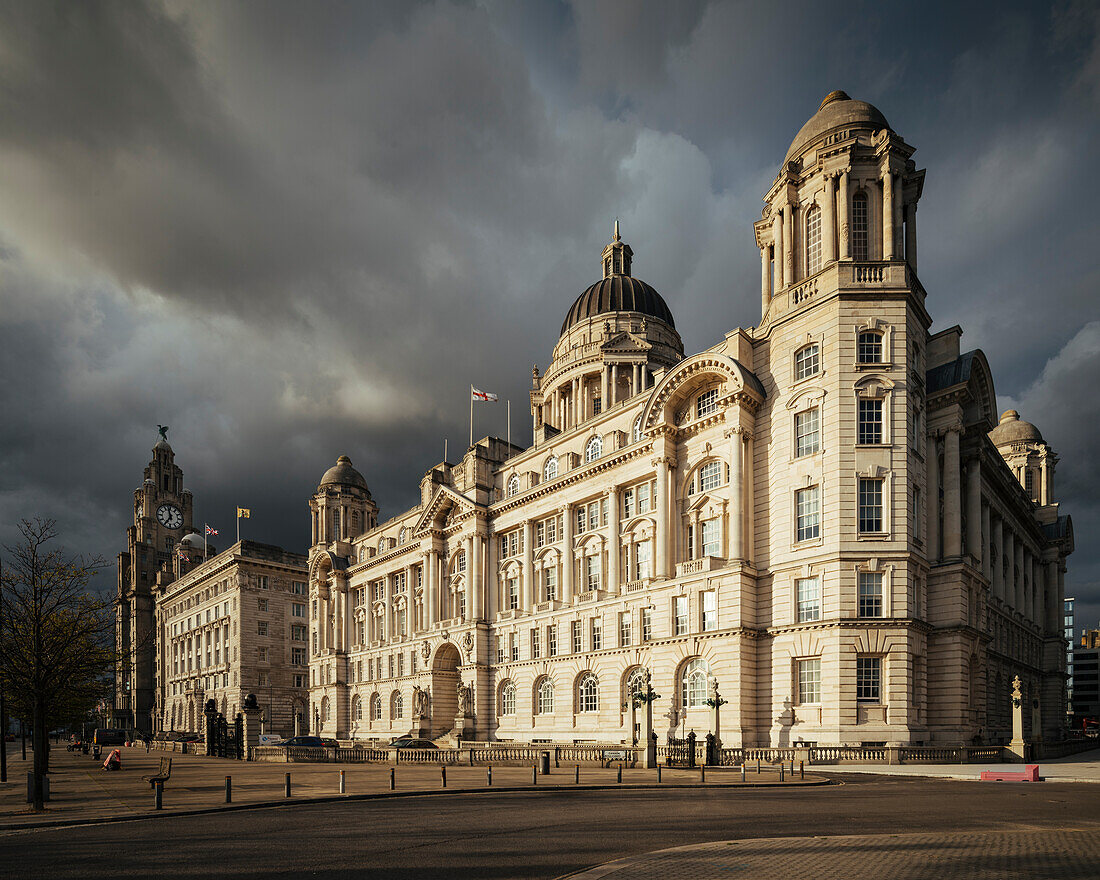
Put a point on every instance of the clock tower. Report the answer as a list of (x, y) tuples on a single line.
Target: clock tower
[(162, 516)]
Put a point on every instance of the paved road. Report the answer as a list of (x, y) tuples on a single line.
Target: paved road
[(527, 835)]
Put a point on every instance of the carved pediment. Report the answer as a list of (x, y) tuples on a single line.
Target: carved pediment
[(624, 342), (446, 505)]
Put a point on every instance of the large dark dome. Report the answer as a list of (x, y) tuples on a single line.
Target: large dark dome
[(618, 293)]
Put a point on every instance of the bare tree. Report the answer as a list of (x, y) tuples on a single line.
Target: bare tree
[(56, 637)]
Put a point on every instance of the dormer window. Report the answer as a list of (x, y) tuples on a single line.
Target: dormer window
[(550, 469), (869, 350), (636, 432), (706, 403), (594, 449), (807, 361), (513, 485)]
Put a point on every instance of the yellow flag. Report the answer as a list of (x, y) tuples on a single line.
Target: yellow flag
[(243, 512)]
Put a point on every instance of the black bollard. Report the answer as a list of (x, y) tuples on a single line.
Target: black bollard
[(577, 775), (288, 785), (229, 789), (393, 779), (781, 768), (742, 772), (443, 775), (620, 776), (757, 765), (702, 774), (535, 775), (801, 770), (158, 795), (489, 775), (658, 772)]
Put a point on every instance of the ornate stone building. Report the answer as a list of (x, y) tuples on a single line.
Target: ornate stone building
[(821, 515)]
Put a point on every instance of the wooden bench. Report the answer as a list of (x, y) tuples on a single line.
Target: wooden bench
[(162, 776), (1030, 774)]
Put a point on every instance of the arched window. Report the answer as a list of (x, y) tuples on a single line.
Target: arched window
[(508, 698), (588, 694), (324, 710), (807, 361), (375, 708), (357, 708), (550, 469), (403, 535), (635, 684), (708, 477), (706, 403), (813, 240), (859, 226), (636, 432), (513, 485), (594, 449), (397, 705), (544, 699), (381, 545), (870, 347), (693, 686), (460, 561)]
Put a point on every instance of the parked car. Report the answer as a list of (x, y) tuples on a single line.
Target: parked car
[(314, 741), (412, 742)]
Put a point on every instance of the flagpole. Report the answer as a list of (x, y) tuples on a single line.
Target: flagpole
[(205, 540), (238, 525), (471, 415), (509, 426)]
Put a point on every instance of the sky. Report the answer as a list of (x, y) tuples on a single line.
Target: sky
[(291, 231)]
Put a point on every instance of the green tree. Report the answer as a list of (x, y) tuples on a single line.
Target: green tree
[(56, 637)]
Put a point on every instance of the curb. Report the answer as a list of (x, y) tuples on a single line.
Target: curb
[(382, 795)]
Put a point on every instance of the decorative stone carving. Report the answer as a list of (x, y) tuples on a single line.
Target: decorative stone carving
[(465, 700), (420, 702), (426, 650)]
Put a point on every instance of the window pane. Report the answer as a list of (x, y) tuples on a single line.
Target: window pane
[(870, 594), (710, 535), (869, 679), (870, 505), (710, 476), (807, 431), (807, 361), (808, 513), (706, 403), (870, 421), (809, 680), (870, 347), (809, 599), (680, 611), (813, 240), (859, 227)]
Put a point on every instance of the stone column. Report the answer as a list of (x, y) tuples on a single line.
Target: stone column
[(788, 244), (974, 542), (765, 281), (477, 578), (1054, 602), (828, 231), (529, 595), (661, 539), (251, 733), (567, 554), (1018, 574), (888, 218), (997, 565), (612, 395), (614, 548), (431, 585), (952, 496), (911, 234), (636, 384), (322, 623), (1018, 747), (736, 505), (313, 528), (987, 533), (606, 386), (898, 219), (845, 221), (933, 459), (777, 243), (1037, 594), (578, 406)]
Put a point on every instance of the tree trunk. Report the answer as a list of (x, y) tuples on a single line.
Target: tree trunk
[(39, 746)]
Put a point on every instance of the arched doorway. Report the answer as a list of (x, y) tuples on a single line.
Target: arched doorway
[(445, 679)]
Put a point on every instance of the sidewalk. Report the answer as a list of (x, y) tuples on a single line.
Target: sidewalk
[(80, 791), (1082, 767), (1069, 854)]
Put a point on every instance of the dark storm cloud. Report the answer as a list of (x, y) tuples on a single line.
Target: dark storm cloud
[(296, 230)]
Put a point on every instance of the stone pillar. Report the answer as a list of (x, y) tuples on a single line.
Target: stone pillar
[(828, 231), (529, 595), (613, 396), (987, 536), (431, 585), (1018, 573), (1054, 601), (636, 383), (1018, 747), (952, 496), (933, 459), (477, 578), (998, 564), (297, 723), (911, 234), (605, 392), (974, 543), (567, 554), (777, 244), (736, 505), (326, 632), (614, 547), (845, 221), (765, 281), (788, 244), (898, 219), (661, 541), (251, 711), (313, 528), (888, 217)]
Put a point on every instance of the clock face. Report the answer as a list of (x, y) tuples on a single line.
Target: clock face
[(169, 516)]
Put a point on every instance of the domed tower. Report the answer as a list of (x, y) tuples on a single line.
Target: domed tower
[(847, 192), (1027, 454), (342, 507), (617, 333)]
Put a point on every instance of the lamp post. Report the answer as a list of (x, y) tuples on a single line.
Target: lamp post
[(3, 706)]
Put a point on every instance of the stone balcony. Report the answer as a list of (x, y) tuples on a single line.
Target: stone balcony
[(842, 276), (697, 566)]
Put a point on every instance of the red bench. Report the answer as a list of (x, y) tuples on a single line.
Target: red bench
[(1029, 774)]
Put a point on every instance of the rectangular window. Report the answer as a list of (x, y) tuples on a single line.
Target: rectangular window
[(710, 476), (261, 628), (550, 583), (706, 403), (576, 636), (392, 665), (592, 572), (513, 647), (513, 594), (628, 504), (807, 361), (624, 629), (870, 421), (298, 633), (647, 624), (870, 594), (299, 681), (679, 615), (552, 530), (710, 534), (552, 640), (643, 560), (540, 534), (597, 406), (809, 680), (264, 680), (298, 588), (813, 241), (597, 633), (869, 348), (500, 649), (261, 654), (297, 656), (710, 610), (869, 679), (808, 512), (643, 498), (809, 599), (400, 664), (399, 582), (807, 432), (582, 519), (261, 604), (412, 662), (870, 505), (536, 648), (859, 226), (263, 581)]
